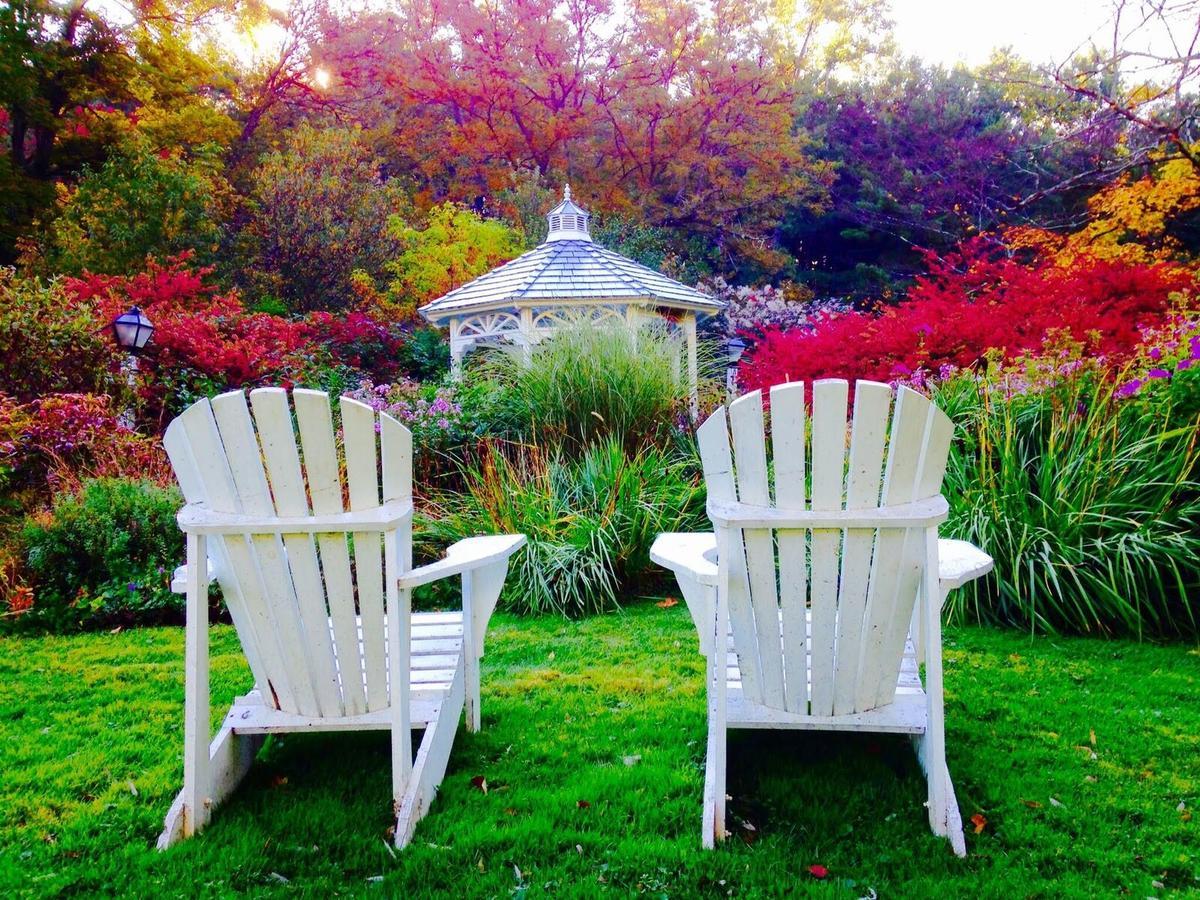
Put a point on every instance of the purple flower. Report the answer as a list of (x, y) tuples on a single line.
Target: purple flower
[(1155, 354), (1158, 373), (1130, 388), (444, 424), (1184, 364)]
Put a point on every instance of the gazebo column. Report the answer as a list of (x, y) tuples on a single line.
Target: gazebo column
[(689, 330), (456, 353), (527, 333)]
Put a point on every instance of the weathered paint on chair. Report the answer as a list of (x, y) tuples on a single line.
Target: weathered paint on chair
[(804, 596), (319, 595)]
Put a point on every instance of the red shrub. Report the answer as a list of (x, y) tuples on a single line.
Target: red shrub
[(972, 301), (60, 438), (205, 341)]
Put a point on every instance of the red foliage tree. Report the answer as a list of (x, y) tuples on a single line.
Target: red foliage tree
[(973, 300)]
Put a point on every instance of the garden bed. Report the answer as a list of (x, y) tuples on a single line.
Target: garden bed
[(1078, 755)]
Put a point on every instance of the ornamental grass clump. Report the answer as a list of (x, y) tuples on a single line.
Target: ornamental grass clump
[(590, 520), (1089, 503), (589, 382)]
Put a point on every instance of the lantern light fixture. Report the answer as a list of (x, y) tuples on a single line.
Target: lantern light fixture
[(132, 329)]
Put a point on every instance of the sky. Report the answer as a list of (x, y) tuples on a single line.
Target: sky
[(938, 31), (1041, 31)]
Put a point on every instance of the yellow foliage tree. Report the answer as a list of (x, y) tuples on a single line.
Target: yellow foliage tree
[(454, 246), (1128, 220)]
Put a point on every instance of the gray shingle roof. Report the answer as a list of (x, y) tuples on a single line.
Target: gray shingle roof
[(568, 270)]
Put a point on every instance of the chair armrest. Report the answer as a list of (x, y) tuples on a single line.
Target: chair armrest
[(691, 555), (960, 562), (179, 578), (464, 556)]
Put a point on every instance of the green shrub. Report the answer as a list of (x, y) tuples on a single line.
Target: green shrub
[(1090, 504), (590, 521), (425, 354), (589, 382), (104, 556)]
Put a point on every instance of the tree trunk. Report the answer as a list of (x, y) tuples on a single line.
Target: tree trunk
[(19, 127)]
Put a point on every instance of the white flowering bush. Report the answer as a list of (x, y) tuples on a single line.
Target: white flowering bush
[(750, 310)]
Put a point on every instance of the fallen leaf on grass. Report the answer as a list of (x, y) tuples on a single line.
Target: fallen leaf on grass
[(278, 781), (133, 788), (667, 604), (1054, 801), (582, 804), (818, 871), (480, 782), (632, 760), (979, 821), (1032, 804)]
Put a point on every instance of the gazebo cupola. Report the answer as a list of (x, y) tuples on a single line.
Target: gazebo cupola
[(566, 278), (567, 221)]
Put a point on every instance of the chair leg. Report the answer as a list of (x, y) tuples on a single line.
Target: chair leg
[(196, 733), (430, 765), (471, 677), (945, 820), (713, 829), (230, 756)]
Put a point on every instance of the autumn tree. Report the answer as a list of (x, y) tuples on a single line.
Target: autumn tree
[(663, 111)]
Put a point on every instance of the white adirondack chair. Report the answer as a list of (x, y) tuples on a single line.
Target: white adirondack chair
[(804, 596), (320, 596)]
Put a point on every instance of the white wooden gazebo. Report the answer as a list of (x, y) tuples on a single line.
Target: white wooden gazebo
[(565, 279)]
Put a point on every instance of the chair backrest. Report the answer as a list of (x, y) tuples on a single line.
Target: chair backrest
[(309, 609), (819, 616)]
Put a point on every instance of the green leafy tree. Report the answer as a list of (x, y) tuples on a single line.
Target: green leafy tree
[(136, 205)]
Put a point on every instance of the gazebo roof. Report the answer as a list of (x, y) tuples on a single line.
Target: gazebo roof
[(569, 267)]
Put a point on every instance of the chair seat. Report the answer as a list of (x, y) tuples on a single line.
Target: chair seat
[(437, 639)]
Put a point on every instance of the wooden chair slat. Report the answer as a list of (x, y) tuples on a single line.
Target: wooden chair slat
[(872, 402), (717, 460), (895, 549), (362, 474), (789, 426), (828, 474), (314, 421), (750, 451)]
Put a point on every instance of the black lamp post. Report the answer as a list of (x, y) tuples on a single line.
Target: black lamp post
[(132, 331)]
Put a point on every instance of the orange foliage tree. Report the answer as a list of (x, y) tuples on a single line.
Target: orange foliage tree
[(678, 113)]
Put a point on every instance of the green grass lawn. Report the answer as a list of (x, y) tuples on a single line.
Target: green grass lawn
[(1082, 755)]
